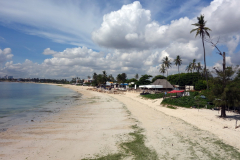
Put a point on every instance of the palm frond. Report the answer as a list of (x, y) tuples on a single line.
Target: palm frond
[(193, 30), (207, 33), (198, 32)]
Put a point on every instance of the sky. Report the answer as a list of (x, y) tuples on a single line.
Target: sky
[(63, 39)]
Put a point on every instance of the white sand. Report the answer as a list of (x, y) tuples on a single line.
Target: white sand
[(204, 119), (169, 131), (98, 124)]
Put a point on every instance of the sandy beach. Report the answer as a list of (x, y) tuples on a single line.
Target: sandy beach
[(101, 123)]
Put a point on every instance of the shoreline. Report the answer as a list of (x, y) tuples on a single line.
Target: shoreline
[(93, 126), (37, 111), (100, 123)]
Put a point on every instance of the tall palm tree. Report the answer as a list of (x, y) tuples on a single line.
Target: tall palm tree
[(178, 62), (198, 68), (162, 69), (202, 31), (136, 76), (189, 68), (167, 63), (193, 65), (104, 77)]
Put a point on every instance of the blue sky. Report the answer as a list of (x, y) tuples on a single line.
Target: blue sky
[(65, 39)]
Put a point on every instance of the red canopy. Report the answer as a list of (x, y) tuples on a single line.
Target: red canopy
[(176, 91)]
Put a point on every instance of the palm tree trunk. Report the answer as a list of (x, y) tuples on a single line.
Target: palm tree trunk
[(178, 75), (205, 70)]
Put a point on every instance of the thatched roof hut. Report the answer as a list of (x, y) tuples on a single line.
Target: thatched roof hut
[(163, 82)]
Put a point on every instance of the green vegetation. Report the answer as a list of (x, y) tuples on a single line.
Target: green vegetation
[(200, 85), (158, 77), (159, 95), (144, 80), (185, 78), (186, 101)]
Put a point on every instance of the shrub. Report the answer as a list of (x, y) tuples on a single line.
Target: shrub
[(200, 85), (185, 101), (159, 95)]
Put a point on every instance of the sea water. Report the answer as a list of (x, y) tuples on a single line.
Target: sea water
[(23, 102)]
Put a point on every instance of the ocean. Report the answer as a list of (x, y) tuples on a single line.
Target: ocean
[(29, 102)]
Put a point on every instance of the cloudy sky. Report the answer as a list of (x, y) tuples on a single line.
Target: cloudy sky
[(70, 38)]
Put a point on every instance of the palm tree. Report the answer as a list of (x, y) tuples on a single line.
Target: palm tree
[(162, 69), (193, 65), (111, 78), (136, 76), (178, 62), (189, 68), (198, 68), (167, 63), (202, 31), (104, 77)]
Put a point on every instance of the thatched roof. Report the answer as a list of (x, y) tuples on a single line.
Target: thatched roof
[(163, 82)]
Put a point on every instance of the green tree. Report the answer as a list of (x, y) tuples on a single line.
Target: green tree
[(167, 63), (193, 65), (158, 77), (144, 80), (199, 67), (111, 78), (178, 62), (202, 31), (162, 69), (136, 76), (94, 77), (189, 68), (186, 79), (224, 87), (104, 76), (100, 79), (121, 78)]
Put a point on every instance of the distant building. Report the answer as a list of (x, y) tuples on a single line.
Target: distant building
[(164, 83), (9, 77), (88, 81)]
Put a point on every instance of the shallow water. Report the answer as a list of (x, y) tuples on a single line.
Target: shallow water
[(23, 102)]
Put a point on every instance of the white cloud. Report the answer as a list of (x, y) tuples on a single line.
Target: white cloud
[(132, 27), (223, 17), (48, 51), (132, 41), (233, 43), (81, 61), (5, 55), (122, 28)]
